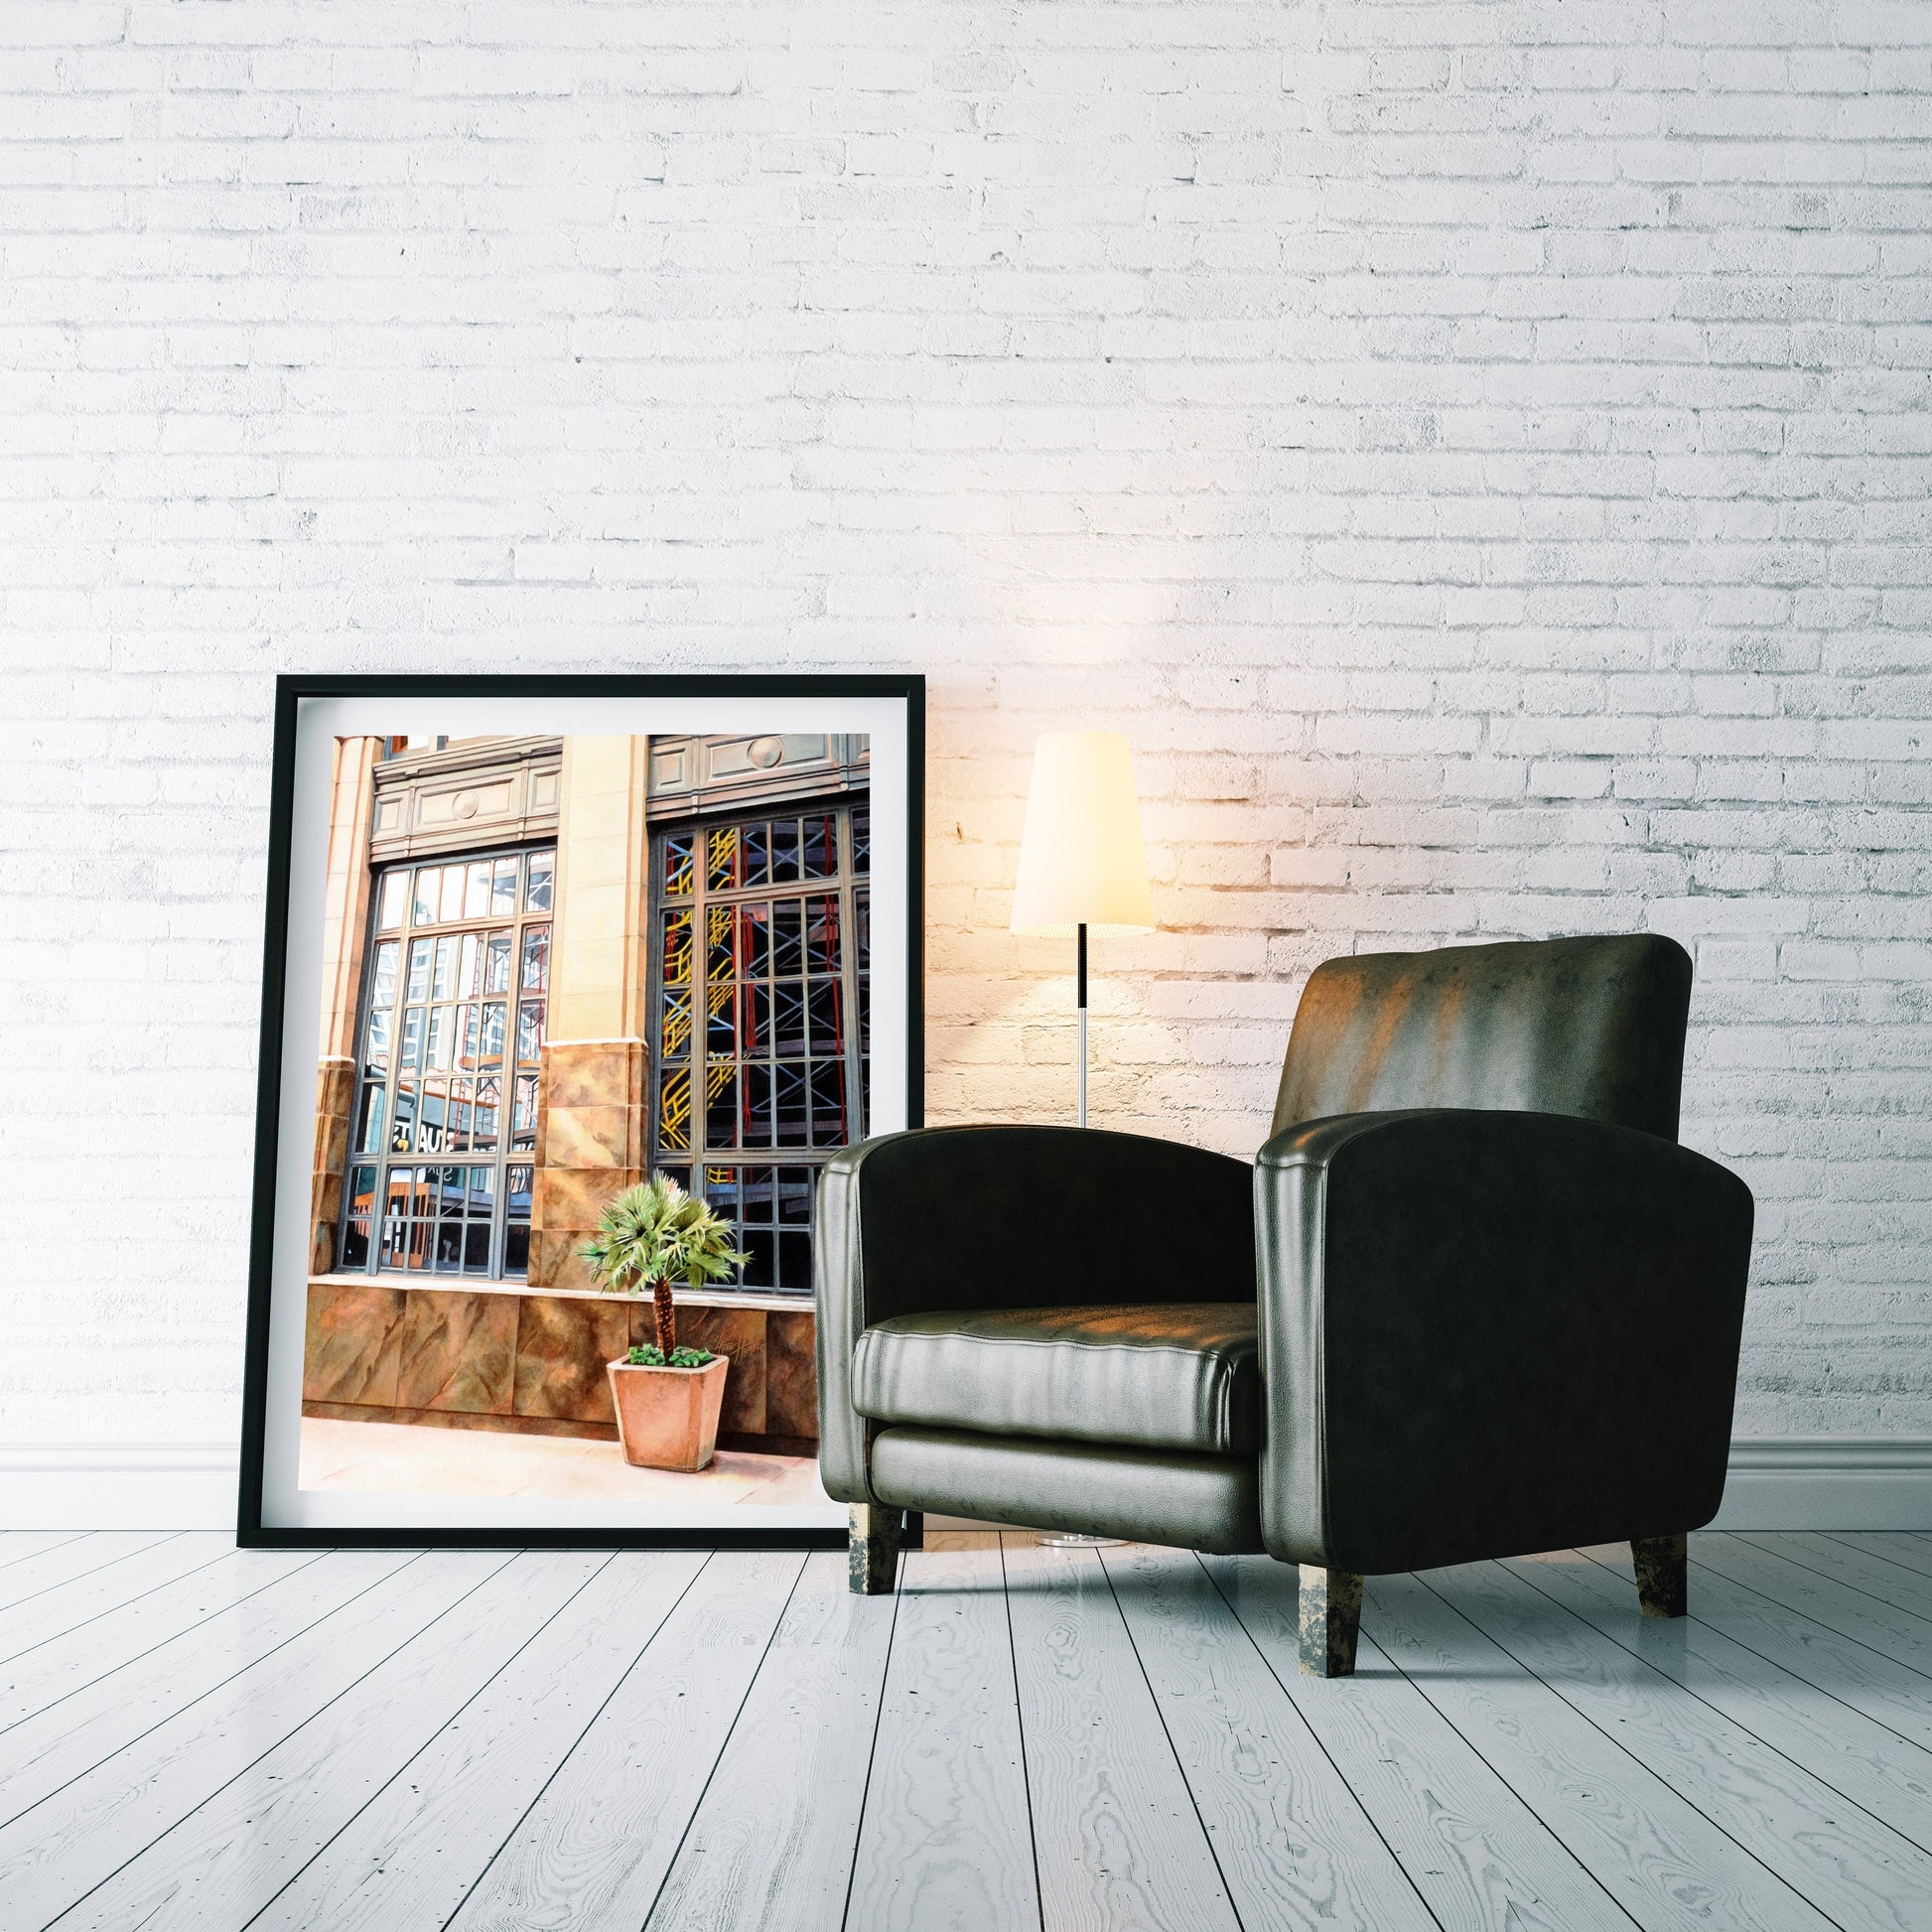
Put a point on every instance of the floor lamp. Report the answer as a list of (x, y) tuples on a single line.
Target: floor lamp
[(1082, 865), (1083, 869)]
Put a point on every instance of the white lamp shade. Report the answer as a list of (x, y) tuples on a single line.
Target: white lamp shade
[(1081, 860)]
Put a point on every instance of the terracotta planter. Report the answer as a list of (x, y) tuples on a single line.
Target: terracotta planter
[(667, 1418)]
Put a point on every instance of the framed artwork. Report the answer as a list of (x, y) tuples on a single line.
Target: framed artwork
[(533, 943)]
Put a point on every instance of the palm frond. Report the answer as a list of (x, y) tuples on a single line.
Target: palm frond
[(654, 1231)]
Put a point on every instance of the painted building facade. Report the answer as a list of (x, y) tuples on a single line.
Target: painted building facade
[(553, 966)]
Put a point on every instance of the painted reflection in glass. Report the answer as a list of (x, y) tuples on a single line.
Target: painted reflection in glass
[(458, 978), (775, 906)]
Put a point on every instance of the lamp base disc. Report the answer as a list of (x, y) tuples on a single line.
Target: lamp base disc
[(1074, 1540)]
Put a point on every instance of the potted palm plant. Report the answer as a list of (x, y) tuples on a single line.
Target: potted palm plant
[(668, 1398)]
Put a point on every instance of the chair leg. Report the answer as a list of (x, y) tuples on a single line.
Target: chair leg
[(872, 1549), (1663, 1573), (1330, 1618), (912, 1537)]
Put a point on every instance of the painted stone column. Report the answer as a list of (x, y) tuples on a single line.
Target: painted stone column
[(345, 925), (593, 1136)]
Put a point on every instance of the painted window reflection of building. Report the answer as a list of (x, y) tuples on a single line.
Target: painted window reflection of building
[(444, 1130), (762, 1023)]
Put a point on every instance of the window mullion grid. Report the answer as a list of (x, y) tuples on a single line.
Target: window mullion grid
[(358, 1102), (759, 1057), (657, 1006), (700, 1134), (423, 1197), (847, 983)]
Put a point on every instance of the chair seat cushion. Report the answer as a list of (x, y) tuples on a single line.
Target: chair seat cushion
[(1181, 1375)]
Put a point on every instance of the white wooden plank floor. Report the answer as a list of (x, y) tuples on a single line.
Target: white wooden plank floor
[(194, 1736)]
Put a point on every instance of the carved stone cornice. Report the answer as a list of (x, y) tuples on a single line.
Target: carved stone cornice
[(495, 791)]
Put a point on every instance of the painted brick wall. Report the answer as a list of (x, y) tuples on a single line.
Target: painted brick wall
[(1479, 452)]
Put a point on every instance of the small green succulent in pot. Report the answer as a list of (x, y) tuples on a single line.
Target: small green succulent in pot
[(649, 1235), (652, 1356)]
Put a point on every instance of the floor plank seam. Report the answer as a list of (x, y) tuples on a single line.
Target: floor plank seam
[(1538, 1676), (1019, 1721), (1841, 1582), (402, 1769), (213, 1690), (1731, 1637), (1502, 1778), (210, 1797), (45, 1549), (1766, 1762), (1186, 1784), (724, 1742), (1574, 1864), (1906, 1568), (1314, 1739), (1724, 1716), (161, 1643), (1521, 1797), (82, 1575), (515, 1823), (1810, 1616), (113, 1609), (871, 1749)]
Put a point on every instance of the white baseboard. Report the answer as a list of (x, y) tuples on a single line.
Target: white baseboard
[(1828, 1482), (1777, 1483), (118, 1485)]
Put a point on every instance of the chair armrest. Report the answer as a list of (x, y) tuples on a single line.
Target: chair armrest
[(1010, 1217), (1484, 1334)]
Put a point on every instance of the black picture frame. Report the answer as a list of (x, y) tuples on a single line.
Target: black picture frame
[(290, 691)]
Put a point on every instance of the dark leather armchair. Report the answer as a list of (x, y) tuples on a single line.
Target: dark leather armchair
[(1471, 1301)]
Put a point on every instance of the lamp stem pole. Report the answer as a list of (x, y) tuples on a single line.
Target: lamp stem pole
[(1083, 1021), (1072, 1539)]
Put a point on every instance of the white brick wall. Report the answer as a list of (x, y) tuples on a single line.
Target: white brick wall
[(1479, 452)]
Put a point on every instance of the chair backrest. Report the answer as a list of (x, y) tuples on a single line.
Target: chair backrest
[(1589, 1026)]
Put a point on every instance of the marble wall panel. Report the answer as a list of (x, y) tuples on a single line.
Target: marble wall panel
[(496, 1360), (592, 1130), (738, 1333), (334, 1090), (590, 1137), (334, 1097), (570, 1199), (353, 1350), (562, 1426), (326, 1202), (595, 1073), (555, 1260), (562, 1348), (459, 1351), (790, 1374)]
